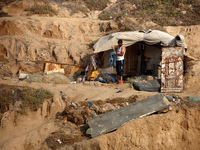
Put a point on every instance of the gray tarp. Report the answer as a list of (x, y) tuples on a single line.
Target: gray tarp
[(150, 37)]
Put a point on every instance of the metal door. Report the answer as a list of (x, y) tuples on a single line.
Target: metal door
[(172, 69)]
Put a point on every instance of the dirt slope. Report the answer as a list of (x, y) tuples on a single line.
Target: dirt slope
[(175, 129), (191, 34), (164, 131), (17, 131), (27, 41)]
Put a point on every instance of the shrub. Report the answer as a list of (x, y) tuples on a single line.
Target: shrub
[(106, 16), (42, 9), (3, 14), (96, 4), (77, 7), (6, 99), (167, 12), (29, 98), (126, 29), (34, 99)]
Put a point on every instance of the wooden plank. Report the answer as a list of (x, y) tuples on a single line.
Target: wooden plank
[(110, 121)]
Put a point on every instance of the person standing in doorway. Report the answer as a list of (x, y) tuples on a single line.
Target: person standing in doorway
[(120, 52)]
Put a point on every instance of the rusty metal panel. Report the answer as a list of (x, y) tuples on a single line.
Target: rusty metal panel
[(73, 69), (49, 66), (69, 69), (172, 69)]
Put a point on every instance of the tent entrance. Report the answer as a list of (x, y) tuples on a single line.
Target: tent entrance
[(140, 59), (143, 60)]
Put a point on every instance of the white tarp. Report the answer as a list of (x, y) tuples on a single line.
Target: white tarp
[(150, 37)]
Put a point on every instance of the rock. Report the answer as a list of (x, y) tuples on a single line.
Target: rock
[(17, 105), (34, 78), (45, 109), (22, 76), (57, 106), (79, 79), (108, 26)]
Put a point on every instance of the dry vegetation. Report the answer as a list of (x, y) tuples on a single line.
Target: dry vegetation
[(42, 9), (165, 12), (7, 1), (91, 4), (96, 4), (162, 12), (3, 14), (26, 97), (76, 7), (34, 99)]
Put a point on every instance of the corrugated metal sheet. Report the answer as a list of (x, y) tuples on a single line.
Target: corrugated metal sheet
[(69, 68), (172, 69)]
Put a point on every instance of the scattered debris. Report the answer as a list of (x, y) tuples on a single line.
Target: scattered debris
[(183, 12), (80, 113), (59, 141), (59, 138)]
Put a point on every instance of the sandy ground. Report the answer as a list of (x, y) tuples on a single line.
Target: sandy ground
[(25, 41), (28, 128), (87, 91)]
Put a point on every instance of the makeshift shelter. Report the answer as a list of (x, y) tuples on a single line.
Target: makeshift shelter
[(149, 52)]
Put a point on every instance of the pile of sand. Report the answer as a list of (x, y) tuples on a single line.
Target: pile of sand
[(8, 27)]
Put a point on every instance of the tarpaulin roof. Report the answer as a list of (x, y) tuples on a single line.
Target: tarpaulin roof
[(150, 37)]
